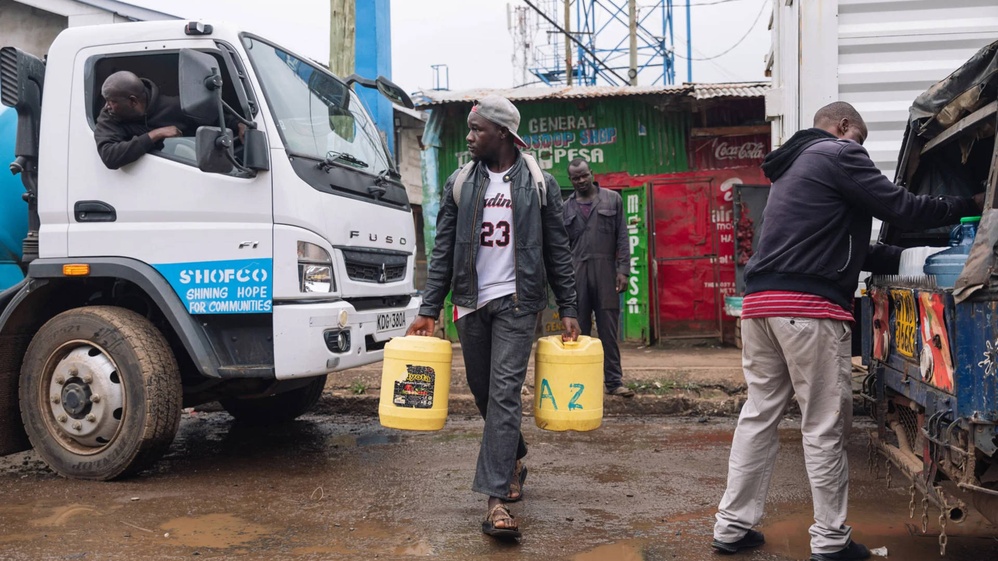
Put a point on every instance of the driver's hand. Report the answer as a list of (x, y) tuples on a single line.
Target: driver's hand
[(241, 131), (165, 132)]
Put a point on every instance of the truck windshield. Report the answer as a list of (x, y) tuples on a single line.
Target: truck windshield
[(318, 115)]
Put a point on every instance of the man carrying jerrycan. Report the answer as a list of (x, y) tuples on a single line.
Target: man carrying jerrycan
[(500, 226)]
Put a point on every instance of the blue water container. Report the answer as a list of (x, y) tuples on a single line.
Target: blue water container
[(947, 265)]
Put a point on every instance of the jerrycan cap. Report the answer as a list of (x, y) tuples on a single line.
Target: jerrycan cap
[(969, 219)]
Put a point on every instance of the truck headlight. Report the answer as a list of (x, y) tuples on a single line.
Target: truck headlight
[(315, 269)]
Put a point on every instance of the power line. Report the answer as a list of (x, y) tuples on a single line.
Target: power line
[(739, 42), (714, 3)]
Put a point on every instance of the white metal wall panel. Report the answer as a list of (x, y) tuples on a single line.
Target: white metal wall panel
[(889, 51)]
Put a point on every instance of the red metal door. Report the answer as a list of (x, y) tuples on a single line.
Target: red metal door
[(686, 253)]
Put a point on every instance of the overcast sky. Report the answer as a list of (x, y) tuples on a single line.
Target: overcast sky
[(472, 39)]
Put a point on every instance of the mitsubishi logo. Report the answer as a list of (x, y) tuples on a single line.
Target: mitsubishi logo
[(383, 276)]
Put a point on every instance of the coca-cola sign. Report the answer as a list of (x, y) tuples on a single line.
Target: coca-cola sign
[(722, 152), (748, 150)]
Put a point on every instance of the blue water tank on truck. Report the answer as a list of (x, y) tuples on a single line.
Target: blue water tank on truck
[(13, 210), (241, 269), (932, 347)]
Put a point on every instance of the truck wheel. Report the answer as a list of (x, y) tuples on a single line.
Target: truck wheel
[(278, 408), (100, 393)]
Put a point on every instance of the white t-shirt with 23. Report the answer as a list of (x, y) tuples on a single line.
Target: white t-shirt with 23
[(495, 263)]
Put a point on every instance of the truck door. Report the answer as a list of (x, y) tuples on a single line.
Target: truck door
[(210, 235)]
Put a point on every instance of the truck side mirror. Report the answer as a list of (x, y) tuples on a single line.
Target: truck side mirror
[(212, 146), (255, 150), (385, 87), (394, 93), (200, 86)]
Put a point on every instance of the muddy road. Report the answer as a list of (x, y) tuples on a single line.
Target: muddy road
[(338, 487)]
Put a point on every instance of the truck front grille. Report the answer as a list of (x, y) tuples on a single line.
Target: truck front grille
[(377, 266)]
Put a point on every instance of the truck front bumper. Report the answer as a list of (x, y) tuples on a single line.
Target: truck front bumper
[(313, 339)]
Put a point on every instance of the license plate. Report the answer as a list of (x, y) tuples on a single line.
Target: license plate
[(904, 321), (391, 321)]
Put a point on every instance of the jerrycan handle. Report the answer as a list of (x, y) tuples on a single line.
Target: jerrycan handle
[(570, 344)]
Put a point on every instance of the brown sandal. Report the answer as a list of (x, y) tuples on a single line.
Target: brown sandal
[(500, 513), (516, 487)]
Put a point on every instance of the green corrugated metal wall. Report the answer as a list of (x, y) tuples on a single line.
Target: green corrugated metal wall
[(615, 135)]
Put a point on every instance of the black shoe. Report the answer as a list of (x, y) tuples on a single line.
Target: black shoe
[(851, 552), (752, 539)]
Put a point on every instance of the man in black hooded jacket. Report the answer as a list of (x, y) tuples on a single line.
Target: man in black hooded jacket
[(796, 319), (135, 119)]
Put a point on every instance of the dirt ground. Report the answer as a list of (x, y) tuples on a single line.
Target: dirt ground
[(337, 487)]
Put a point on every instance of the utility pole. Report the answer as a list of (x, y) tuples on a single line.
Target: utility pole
[(689, 45), (568, 42), (632, 25), (342, 36)]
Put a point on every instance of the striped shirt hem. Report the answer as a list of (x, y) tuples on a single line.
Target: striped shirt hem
[(783, 303)]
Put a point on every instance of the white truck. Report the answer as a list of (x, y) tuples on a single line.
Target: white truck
[(209, 269)]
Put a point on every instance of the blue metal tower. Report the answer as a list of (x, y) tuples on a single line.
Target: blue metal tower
[(601, 42)]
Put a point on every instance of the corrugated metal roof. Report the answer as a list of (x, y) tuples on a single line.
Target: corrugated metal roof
[(699, 91), (735, 89)]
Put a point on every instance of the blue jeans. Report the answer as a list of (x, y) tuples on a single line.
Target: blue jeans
[(496, 341)]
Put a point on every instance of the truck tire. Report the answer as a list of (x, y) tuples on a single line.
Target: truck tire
[(100, 393), (275, 409)]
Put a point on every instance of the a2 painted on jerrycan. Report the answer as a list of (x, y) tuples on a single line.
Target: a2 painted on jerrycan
[(415, 383), (947, 265), (568, 384)]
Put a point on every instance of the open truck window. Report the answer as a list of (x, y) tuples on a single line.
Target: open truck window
[(161, 68)]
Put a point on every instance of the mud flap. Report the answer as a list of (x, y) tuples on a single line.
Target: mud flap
[(12, 436)]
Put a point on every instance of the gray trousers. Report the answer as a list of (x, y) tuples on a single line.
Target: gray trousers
[(781, 357), (496, 341), (607, 322)]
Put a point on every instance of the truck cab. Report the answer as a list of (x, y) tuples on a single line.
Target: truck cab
[(212, 268), (931, 344)]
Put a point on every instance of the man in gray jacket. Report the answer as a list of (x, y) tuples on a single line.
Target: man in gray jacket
[(594, 218), (498, 233)]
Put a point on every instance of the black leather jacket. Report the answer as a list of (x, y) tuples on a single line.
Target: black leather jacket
[(541, 245)]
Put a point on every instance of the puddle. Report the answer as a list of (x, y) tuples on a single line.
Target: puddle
[(354, 441), (63, 515), (421, 548), (878, 525), (621, 551), (16, 538), (213, 530)]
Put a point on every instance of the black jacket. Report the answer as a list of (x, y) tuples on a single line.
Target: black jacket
[(818, 220), (541, 250), (122, 142)]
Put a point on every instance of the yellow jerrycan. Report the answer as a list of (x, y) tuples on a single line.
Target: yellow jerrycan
[(568, 384), (415, 383)]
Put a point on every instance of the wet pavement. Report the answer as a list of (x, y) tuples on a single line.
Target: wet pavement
[(339, 487)]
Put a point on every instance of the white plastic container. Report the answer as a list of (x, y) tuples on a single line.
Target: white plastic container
[(913, 260)]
